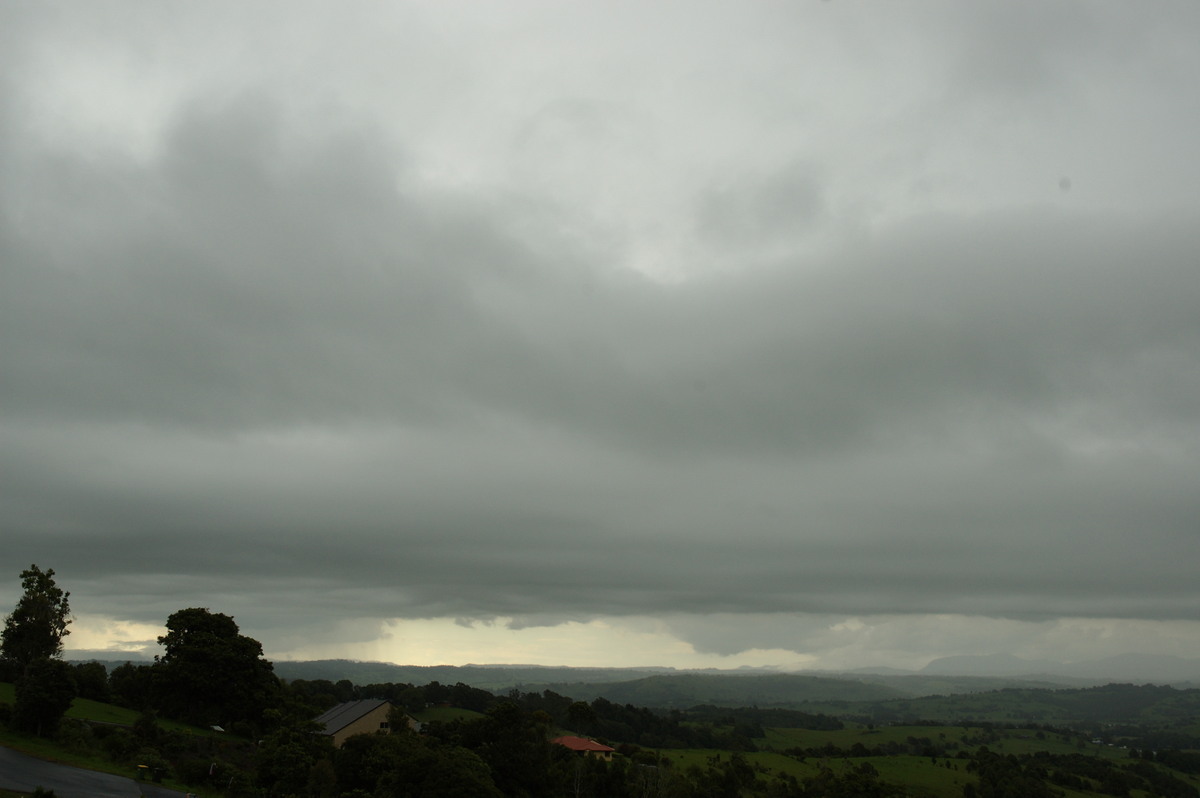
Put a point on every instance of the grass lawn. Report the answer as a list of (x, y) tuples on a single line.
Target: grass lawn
[(921, 773), (86, 709)]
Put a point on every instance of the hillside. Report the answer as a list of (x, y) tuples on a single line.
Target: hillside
[(679, 691), (1149, 705), (675, 688)]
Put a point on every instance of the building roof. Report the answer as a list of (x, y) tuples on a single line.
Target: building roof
[(582, 744), (343, 715)]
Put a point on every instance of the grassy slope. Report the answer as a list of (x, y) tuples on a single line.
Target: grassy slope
[(98, 712), (94, 711)]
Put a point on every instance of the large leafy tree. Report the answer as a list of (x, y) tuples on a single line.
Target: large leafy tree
[(211, 674), (35, 628)]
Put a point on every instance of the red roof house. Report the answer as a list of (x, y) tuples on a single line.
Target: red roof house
[(584, 746)]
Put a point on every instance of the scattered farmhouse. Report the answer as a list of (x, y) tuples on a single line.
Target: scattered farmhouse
[(369, 716), (585, 747)]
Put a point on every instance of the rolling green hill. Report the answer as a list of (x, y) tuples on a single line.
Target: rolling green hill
[(1153, 705), (501, 678), (680, 691)]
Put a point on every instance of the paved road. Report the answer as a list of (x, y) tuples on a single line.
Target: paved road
[(25, 774)]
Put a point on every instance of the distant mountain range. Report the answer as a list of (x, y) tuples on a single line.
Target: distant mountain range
[(765, 687), (1135, 668)]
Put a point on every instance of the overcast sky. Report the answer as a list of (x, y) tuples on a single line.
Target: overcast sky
[(809, 334)]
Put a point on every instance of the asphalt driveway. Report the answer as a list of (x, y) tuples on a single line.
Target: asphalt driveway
[(25, 774)]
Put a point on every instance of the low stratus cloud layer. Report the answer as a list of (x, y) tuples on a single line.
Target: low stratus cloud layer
[(810, 335)]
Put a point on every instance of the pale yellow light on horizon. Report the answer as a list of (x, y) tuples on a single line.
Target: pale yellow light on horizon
[(101, 633), (642, 641), (609, 643)]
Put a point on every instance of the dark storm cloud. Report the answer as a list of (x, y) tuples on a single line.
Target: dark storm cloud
[(760, 211), (243, 368), (271, 367), (225, 291)]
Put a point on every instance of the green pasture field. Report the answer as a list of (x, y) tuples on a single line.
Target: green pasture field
[(918, 773), (1008, 741), (937, 777)]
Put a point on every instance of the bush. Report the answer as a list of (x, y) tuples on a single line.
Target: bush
[(146, 727), (119, 745), (151, 764), (76, 735), (194, 770)]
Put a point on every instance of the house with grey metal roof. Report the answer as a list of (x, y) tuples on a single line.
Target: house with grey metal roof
[(368, 716)]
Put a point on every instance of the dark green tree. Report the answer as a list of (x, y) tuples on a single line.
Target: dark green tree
[(402, 764), (581, 717), (43, 695), (130, 685), (287, 756), (92, 680), (210, 674), (458, 773), (512, 743), (35, 628), (322, 780)]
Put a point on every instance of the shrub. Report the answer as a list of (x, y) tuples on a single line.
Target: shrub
[(76, 735), (120, 745)]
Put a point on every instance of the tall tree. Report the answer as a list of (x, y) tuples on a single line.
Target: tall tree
[(211, 674), (35, 628)]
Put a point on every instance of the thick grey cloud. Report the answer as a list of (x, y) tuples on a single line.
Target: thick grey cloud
[(276, 350)]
